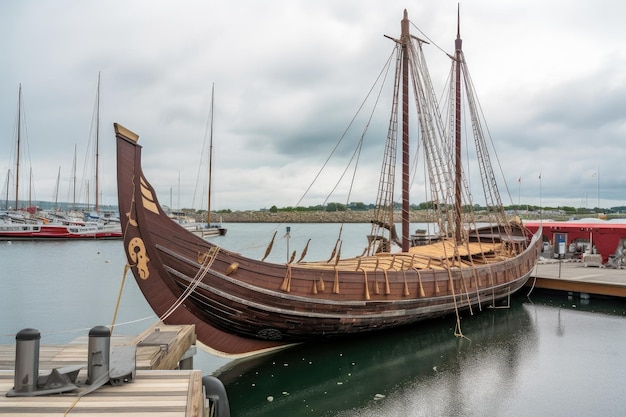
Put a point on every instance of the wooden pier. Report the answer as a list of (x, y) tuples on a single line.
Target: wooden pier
[(160, 387), (579, 277), (152, 393)]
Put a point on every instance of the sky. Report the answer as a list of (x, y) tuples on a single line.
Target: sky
[(289, 76)]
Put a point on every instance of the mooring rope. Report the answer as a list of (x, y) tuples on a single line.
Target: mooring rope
[(71, 406), (119, 296)]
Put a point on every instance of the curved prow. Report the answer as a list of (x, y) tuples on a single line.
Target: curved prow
[(125, 133)]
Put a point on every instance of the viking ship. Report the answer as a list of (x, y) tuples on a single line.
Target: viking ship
[(241, 305)]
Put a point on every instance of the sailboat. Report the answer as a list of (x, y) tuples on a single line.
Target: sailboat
[(241, 305), (93, 215), (55, 225), (18, 149), (209, 229)]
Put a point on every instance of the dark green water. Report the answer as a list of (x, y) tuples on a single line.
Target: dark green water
[(551, 356)]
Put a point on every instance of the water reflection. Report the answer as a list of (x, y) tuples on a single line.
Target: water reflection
[(423, 370), (596, 304)]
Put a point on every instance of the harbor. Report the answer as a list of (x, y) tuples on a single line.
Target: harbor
[(561, 345), (443, 296)]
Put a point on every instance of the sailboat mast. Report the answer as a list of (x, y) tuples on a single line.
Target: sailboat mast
[(97, 140), (457, 128), (208, 214), (6, 200), (74, 181), (56, 191), (405, 38), (30, 188), (19, 134)]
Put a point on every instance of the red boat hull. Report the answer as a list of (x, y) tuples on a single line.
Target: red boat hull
[(16, 231)]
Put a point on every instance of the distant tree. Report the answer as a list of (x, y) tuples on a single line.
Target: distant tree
[(358, 206), (335, 207), (273, 209)]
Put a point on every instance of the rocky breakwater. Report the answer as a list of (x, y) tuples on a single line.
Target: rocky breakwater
[(308, 216)]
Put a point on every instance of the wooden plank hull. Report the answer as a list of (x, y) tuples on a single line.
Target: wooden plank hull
[(240, 305)]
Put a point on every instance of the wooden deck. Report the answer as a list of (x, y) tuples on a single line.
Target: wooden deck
[(159, 347), (152, 393), (579, 277), (158, 389)]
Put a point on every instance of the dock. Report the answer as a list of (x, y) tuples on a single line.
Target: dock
[(152, 393), (162, 384), (160, 347), (578, 276)]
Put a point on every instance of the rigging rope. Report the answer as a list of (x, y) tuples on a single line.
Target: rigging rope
[(208, 260), (343, 136)]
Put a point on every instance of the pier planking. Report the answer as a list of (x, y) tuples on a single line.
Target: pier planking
[(158, 389), (579, 277), (160, 393)]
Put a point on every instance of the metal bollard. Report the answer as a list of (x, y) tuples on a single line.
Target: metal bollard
[(99, 349), (26, 361)]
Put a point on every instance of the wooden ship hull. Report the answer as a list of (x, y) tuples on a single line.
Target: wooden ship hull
[(240, 305)]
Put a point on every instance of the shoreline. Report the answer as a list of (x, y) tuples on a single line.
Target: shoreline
[(365, 216)]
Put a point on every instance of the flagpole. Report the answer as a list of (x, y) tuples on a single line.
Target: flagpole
[(598, 187)]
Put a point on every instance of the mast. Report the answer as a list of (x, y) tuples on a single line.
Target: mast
[(19, 133), (458, 56), (97, 140), (30, 188), (56, 191), (74, 181), (208, 214), (405, 38), (6, 198)]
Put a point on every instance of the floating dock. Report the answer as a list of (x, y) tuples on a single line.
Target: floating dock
[(162, 384), (580, 276)]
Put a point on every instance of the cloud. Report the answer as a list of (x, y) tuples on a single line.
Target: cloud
[(289, 77)]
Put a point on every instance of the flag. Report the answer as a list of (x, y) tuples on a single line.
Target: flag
[(519, 179), (540, 175)]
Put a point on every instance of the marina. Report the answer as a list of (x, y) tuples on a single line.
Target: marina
[(153, 309)]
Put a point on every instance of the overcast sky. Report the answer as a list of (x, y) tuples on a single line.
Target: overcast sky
[(289, 76)]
